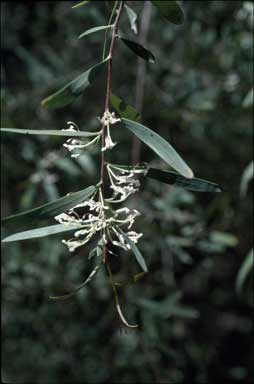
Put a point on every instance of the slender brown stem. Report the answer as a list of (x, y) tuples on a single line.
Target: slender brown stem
[(108, 90)]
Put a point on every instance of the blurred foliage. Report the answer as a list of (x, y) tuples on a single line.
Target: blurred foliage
[(193, 326)]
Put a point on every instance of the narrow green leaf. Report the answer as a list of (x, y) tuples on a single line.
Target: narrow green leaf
[(185, 312), (132, 16), (159, 146), (162, 308), (244, 270), (73, 293), (136, 252), (81, 4), (49, 132), (95, 29), (223, 238), (73, 89), (49, 210), (171, 10), (139, 50), (248, 100), (248, 174), (124, 109), (41, 232), (174, 178)]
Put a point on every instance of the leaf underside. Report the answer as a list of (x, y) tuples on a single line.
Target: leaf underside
[(41, 232), (48, 132), (95, 29), (160, 146)]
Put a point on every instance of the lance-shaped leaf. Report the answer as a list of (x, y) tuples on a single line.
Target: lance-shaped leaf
[(136, 251), (171, 10), (159, 146), (138, 49), (74, 89), (95, 29), (41, 232), (49, 210), (132, 16), (248, 100), (124, 109), (174, 178), (245, 269), (73, 293), (81, 4), (49, 132)]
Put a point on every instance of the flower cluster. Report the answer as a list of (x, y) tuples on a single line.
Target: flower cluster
[(101, 218), (114, 226)]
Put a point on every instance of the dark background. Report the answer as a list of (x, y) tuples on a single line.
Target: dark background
[(193, 326)]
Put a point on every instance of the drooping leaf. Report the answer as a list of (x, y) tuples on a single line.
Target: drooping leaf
[(171, 10), (159, 146), (81, 4), (41, 232), (123, 109), (49, 132), (132, 16), (74, 89), (49, 210), (174, 178), (73, 293), (95, 29), (136, 252), (138, 49), (244, 270)]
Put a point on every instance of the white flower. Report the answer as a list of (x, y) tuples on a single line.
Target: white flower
[(123, 182), (73, 143), (108, 119)]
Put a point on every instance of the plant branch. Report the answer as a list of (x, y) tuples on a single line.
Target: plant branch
[(141, 75), (108, 90)]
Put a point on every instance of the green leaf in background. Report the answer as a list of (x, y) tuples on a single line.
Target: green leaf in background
[(132, 18), (49, 132), (136, 252), (248, 100), (168, 307), (95, 29), (171, 10), (223, 238), (159, 146), (41, 232), (49, 210), (174, 178), (244, 270), (123, 109), (73, 293), (248, 174), (81, 4), (74, 89), (139, 50)]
